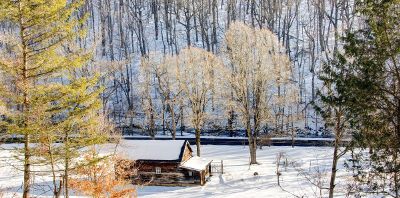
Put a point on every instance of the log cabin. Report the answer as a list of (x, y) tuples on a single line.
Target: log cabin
[(164, 163)]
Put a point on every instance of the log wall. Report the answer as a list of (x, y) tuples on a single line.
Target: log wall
[(171, 175)]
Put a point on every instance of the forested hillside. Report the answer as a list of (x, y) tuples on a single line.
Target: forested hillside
[(123, 32)]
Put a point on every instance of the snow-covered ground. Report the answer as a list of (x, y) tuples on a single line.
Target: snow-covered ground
[(306, 165), (238, 179)]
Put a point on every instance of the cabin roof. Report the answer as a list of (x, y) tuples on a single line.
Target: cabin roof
[(196, 163), (153, 150)]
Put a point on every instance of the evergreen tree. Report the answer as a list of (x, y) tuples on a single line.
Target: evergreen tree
[(367, 79), (332, 106), (73, 119), (43, 84)]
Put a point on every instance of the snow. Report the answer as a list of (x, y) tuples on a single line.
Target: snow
[(196, 163), (150, 149), (238, 179)]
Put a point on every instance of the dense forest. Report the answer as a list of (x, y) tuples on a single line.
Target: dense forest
[(123, 32)]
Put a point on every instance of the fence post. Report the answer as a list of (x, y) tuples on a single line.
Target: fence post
[(222, 167)]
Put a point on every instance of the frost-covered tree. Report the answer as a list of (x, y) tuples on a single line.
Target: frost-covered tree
[(160, 72), (285, 111), (257, 67), (170, 89), (146, 91), (197, 72)]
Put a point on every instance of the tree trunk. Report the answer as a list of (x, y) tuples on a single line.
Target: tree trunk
[(27, 168), (152, 126), (57, 192), (334, 169), (230, 122), (66, 173), (182, 127), (214, 26), (292, 137), (198, 141), (253, 150), (66, 164), (155, 15), (163, 116), (152, 129), (252, 145), (395, 177), (335, 156), (24, 109), (57, 188), (173, 121)]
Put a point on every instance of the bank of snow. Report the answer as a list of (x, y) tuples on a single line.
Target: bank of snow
[(305, 165)]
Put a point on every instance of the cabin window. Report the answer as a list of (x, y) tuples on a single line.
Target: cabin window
[(158, 170), (190, 173)]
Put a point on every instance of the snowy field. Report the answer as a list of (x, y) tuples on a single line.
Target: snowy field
[(305, 165)]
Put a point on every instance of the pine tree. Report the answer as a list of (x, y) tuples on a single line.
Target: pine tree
[(77, 124), (50, 97), (366, 79), (331, 104)]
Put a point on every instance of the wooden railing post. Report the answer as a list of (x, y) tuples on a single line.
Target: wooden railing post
[(222, 167)]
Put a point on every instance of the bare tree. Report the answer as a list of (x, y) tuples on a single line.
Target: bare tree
[(258, 65), (147, 85), (169, 88), (196, 70)]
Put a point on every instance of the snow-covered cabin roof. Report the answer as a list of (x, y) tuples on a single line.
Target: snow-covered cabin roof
[(153, 150), (196, 163)]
